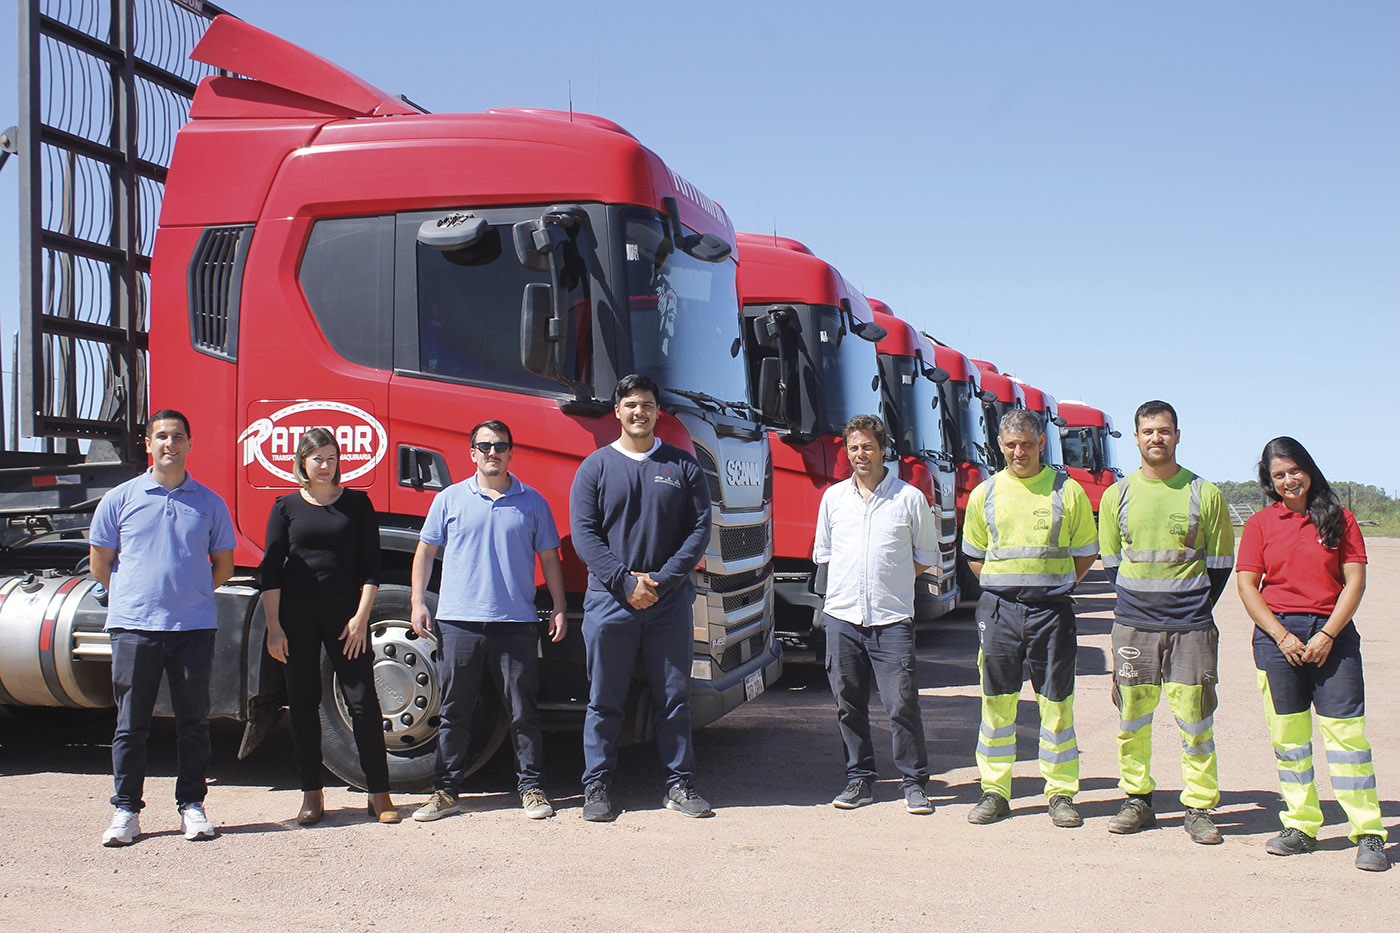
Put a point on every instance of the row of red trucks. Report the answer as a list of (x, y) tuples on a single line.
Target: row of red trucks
[(328, 254)]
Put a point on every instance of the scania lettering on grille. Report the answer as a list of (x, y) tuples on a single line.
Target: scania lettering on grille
[(271, 439), (744, 472)]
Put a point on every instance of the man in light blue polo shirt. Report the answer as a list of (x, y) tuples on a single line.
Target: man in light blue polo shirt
[(153, 541), (491, 527)]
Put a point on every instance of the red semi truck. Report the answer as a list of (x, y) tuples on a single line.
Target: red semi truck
[(1045, 405), (331, 255), (1088, 448), (808, 342), (1006, 394)]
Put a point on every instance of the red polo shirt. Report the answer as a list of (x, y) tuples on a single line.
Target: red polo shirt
[(1300, 575)]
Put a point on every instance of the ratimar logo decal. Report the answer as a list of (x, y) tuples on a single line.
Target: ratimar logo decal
[(272, 440)]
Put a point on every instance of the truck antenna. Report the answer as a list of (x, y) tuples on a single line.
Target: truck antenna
[(571, 100)]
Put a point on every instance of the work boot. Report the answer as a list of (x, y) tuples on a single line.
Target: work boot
[(1062, 812), (1134, 816), (989, 809), (856, 794), (1291, 842), (1370, 854), (1201, 828)]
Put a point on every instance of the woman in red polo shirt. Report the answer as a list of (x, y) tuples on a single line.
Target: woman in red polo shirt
[(1301, 571)]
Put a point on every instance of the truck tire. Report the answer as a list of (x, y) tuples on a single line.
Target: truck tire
[(406, 679)]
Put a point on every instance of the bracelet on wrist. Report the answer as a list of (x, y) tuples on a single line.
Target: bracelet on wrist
[(1328, 634)]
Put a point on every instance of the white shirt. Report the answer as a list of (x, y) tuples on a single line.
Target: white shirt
[(871, 547)]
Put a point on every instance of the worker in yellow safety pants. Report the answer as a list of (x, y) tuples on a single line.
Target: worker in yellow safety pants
[(1029, 536), (1301, 574), (1168, 546)]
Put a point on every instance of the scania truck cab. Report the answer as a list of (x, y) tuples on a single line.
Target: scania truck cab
[(911, 381), (808, 343), (1087, 436), (330, 255)]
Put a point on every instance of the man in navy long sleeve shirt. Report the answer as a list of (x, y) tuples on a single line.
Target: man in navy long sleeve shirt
[(639, 512)]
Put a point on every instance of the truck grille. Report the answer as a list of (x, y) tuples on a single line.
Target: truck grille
[(711, 469), (740, 600), (742, 541), (728, 583), (737, 654)]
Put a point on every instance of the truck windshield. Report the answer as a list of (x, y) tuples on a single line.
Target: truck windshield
[(846, 369), (919, 417), (1104, 442), (972, 423), (1054, 454), (683, 313), (1077, 448)]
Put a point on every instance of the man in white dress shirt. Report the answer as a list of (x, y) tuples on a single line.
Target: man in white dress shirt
[(876, 534)]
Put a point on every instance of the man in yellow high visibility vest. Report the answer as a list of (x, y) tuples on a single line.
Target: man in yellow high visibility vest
[(1168, 547), (1029, 536)]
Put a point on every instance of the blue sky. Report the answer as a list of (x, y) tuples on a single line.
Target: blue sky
[(1198, 201)]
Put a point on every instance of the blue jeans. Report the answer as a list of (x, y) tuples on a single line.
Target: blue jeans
[(138, 661), (857, 654), (510, 651), (615, 635)]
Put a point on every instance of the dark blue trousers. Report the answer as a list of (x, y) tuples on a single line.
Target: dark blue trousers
[(139, 660), (615, 636), (1337, 689), (510, 651), (856, 655)]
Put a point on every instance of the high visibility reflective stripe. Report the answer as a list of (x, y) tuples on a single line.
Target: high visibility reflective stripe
[(1056, 738), (1199, 751), (1367, 782), (1000, 732), (1053, 551), (998, 751), (1133, 725), (1196, 728), (1164, 557), (1167, 585), (1059, 758), (1111, 560), (1224, 562), (1341, 757), (1295, 777), (1193, 527), (1301, 753), (1086, 550), (1024, 579)]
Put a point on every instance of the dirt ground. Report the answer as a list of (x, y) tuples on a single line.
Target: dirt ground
[(777, 856)]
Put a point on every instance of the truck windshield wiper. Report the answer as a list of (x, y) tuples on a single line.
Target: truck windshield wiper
[(703, 398)]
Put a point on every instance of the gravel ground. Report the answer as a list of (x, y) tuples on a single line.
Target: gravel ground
[(776, 856)]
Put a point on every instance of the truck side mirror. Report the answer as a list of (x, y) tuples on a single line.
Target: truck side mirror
[(541, 334), (937, 374), (869, 330), (452, 232), (706, 247), (771, 390)]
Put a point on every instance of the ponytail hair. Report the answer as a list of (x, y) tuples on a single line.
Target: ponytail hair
[(1323, 507)]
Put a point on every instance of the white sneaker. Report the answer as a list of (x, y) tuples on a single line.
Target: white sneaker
[(126, 826), (196, 824)]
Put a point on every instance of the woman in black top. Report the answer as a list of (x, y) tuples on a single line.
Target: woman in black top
[(320, 569)]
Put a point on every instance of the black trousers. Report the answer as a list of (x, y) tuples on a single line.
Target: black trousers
[(310, 629)]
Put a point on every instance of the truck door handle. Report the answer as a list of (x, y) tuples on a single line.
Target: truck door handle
[(423, 469)]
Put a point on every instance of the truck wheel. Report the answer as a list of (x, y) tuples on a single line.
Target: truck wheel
[(406, 679)]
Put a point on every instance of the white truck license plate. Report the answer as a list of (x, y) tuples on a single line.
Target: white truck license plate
[(753, 685)]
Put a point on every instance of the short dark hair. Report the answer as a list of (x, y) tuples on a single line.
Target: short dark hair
[(868, 423), (493, 425), (167, 414), (1154, 407), (635, 382), (312, 440)]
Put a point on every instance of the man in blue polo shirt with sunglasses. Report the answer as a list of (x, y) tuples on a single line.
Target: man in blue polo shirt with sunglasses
[(491, 527)]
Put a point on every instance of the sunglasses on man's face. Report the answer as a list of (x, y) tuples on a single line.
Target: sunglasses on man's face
[(486, 447)]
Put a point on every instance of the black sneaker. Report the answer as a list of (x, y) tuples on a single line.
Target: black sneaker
[(1290, 842), (1062, 812), (916, 801), (1201, 828), (856, 794), (1134, 816), (1370, 854), (597, 808), (989, 809), (683, 798)]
